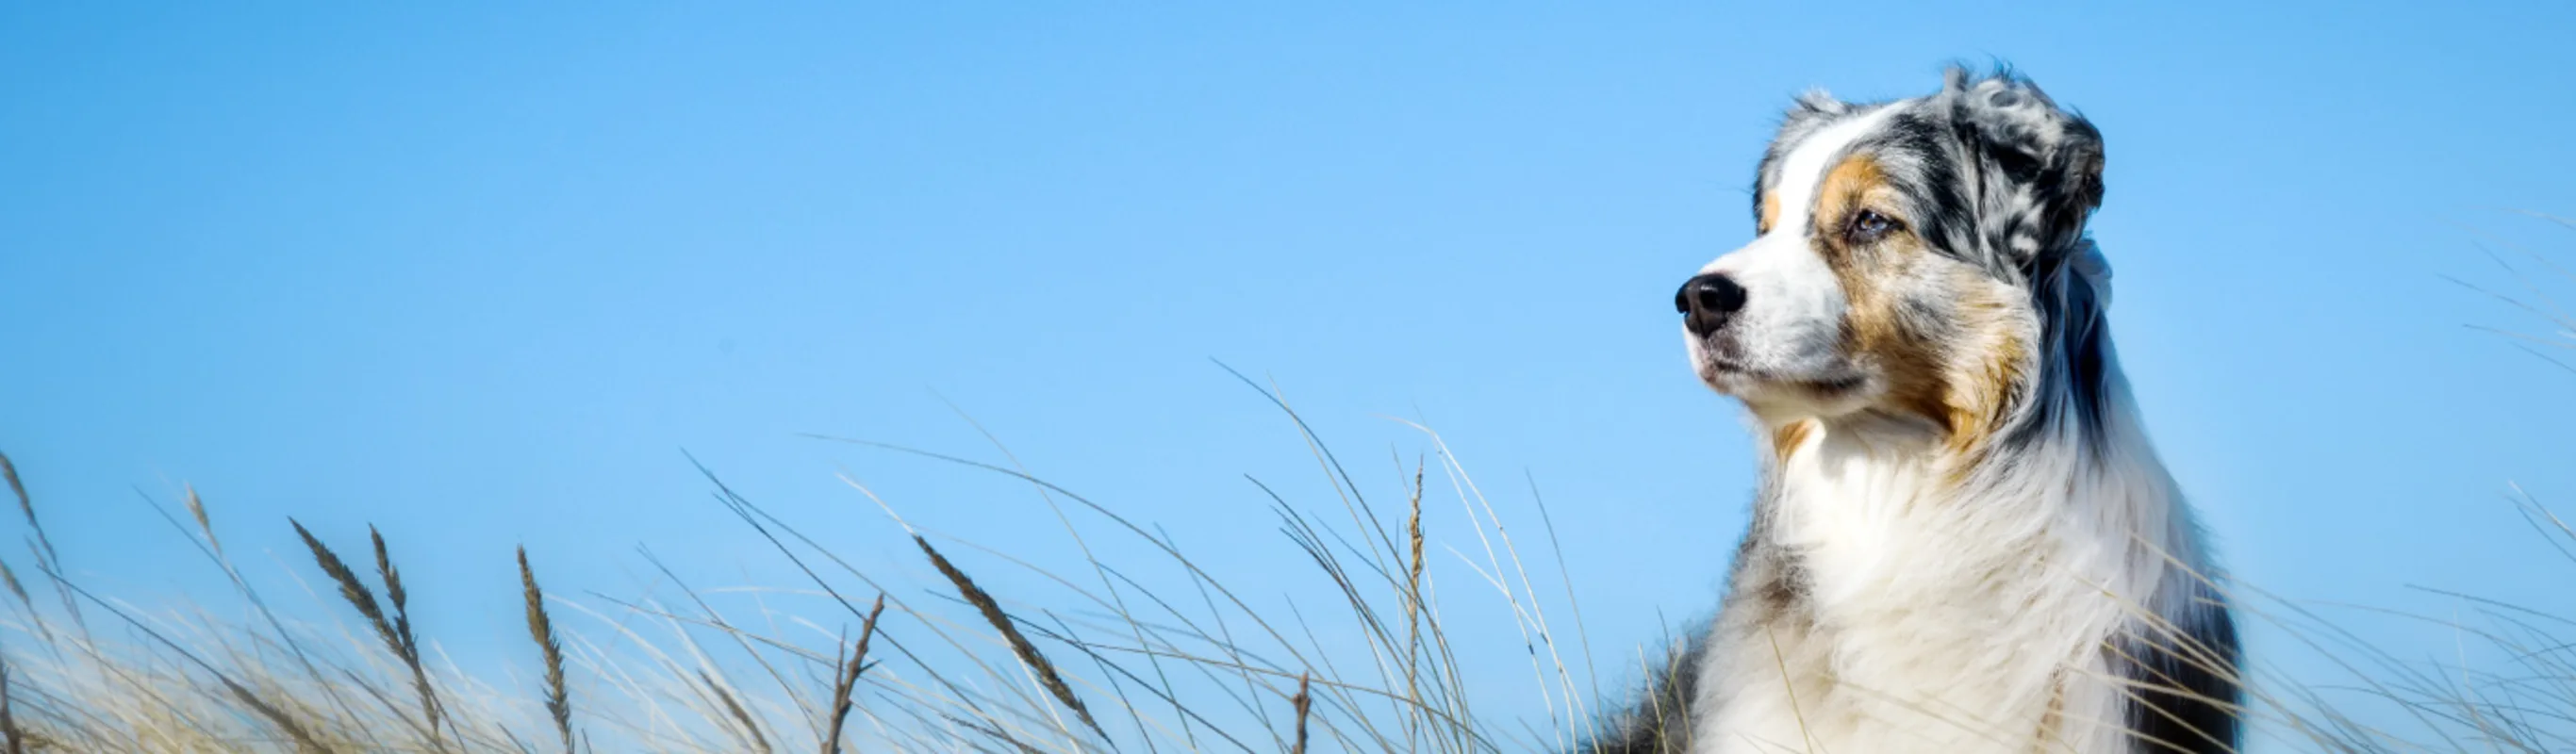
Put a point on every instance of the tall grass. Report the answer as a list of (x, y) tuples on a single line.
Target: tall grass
[(944, 666), (1157, 653)]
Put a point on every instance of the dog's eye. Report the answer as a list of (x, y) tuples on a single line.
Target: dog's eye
[(1867, 225)]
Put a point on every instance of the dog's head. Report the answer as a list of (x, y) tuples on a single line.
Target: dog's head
[(1907, 257)]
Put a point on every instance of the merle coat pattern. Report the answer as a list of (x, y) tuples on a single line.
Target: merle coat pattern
[(1963, 541)]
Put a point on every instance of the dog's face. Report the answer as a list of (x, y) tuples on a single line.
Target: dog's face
[(1901, 255)]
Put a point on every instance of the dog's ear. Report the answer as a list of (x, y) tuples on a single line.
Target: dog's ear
[(1815, 103), (1812, 110), (2037, 167)]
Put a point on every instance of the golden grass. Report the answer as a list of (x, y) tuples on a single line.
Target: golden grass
[(1197, 668)]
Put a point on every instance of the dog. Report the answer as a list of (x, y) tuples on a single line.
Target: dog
[(1963, 540)]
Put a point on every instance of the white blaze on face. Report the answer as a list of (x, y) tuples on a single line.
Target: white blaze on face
[(1793, 304)]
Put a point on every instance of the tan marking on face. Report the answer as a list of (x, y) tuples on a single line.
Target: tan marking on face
[(1989, 358), (1959, 373), (1849, 186), (1770, 213), (1873, 330)]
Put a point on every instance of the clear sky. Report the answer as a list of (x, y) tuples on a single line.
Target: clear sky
[(480, 275)]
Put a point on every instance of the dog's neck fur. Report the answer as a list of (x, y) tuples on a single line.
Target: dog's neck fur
[(2097, 482)]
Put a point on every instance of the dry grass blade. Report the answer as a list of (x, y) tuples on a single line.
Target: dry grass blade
[(734, 707), (403, 643), (542, 629), (352, 590), (1413, 531), (1413, 573), (206, 526), (397, 637), (1304, 703), (9, 577), (9, 733), (1020, 645), (1413, 588), (304, 740), (27, 506), (10, 471), (848, 677)]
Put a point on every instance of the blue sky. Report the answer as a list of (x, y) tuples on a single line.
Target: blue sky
[(480, 274)]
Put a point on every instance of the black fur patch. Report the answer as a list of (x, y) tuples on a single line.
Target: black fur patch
[(2186, 694)]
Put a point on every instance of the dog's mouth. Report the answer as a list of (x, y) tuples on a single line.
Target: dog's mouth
[(1718, 371)]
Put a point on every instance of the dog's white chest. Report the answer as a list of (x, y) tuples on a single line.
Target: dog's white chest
[(1933, 624)]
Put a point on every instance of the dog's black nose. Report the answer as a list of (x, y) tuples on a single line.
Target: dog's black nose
[(1707, 301)]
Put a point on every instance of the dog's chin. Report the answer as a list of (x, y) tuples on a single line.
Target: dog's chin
[(1788, 395)]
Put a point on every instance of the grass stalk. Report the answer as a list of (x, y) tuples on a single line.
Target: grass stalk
[(541, 629), (847, 677), (1028, 653)]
